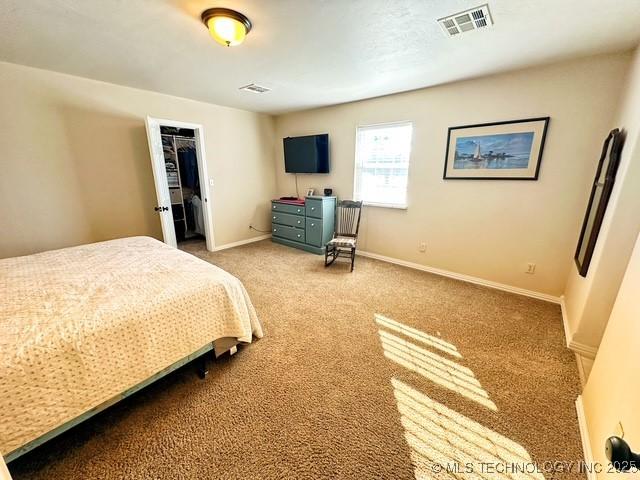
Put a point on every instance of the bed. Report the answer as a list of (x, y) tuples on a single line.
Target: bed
[(83, 327)]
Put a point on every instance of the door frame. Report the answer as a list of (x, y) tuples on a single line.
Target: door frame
[(203, 174)]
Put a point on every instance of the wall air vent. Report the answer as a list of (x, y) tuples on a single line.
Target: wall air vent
[(252, 87), (472, 19)]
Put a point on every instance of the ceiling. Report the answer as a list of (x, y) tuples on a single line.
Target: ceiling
[(309, 52)]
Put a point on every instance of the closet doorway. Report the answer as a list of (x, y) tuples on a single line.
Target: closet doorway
[(181, 179)]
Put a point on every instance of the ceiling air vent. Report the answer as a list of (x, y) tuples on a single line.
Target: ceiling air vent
[(252, 87), (466, 21)]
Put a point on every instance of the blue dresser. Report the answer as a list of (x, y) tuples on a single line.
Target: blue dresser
[(309, 226)]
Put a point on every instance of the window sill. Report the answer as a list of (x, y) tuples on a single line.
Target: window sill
[(385, 205)]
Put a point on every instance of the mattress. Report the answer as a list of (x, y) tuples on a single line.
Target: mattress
[(82, 324)]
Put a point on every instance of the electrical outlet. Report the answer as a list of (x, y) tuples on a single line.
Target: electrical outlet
[(531, 268), (422, 247)]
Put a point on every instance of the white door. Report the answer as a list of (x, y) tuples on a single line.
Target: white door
[(163, 207)]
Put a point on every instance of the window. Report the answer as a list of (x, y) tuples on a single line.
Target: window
[(382, 164)]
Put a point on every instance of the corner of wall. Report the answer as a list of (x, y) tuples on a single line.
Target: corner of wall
[(572, 339), (589, 301)]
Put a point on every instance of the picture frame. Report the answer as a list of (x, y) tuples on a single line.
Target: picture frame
[(599, 198), (310, 192), (508, 150)]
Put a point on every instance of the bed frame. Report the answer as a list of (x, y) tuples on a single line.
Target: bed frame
[(202, 372)]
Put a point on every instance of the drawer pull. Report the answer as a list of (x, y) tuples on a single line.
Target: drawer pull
[(275, 218), (274, 206), (298, 235), (298, 221), (313, 224), (299, 210), (313, 208), (275, 230)]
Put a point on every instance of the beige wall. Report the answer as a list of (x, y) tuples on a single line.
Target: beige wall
[(4, 471), (75, 163), (487, 229), (612, 391), (76, 166), (589, 300)]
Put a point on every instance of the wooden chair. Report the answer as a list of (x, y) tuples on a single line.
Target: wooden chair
[(345, 237)]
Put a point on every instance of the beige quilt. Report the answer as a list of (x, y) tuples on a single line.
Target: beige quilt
[(82, 324)]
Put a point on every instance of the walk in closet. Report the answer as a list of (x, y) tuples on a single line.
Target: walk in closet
[(181, 162)]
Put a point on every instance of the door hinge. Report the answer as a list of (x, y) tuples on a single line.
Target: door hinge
[(161, 209)]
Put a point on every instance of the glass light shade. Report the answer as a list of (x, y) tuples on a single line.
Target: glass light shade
[(227, 31)]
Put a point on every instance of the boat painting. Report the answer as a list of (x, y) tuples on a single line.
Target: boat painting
[(509, 150), (500, 151)]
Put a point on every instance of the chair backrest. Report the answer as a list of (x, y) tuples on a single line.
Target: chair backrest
[(348, 218)]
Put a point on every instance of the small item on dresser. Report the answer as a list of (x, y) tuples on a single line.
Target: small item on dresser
[(310, 192), (292, 200), (328, 192)]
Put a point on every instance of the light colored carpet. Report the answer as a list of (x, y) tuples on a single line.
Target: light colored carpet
[(377, 373)]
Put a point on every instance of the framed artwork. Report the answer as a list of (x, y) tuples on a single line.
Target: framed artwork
[(310, 192), (600, 193), (509, 150)]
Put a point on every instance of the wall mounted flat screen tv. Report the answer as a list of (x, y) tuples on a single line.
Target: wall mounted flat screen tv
[(309, 154)]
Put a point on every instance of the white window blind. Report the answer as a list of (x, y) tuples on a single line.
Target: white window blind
[(382, 164)]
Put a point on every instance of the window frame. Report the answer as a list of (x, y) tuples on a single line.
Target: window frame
[(395, 206)]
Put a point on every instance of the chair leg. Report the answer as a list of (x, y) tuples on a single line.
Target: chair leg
[(329, 252), (353, 257)]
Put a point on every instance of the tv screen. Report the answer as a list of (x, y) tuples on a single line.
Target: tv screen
[(309, 154)]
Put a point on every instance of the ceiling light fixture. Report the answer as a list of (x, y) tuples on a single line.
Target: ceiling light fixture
[(226, 26)]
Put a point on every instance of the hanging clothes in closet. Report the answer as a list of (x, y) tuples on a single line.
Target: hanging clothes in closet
[(188, 162), (198, 214)]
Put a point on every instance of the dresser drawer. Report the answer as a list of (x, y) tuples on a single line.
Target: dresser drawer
[(313, 207), (290, 233), (287, 208), (287, 219), (314, 232)]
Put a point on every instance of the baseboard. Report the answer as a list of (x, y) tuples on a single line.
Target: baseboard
[(578, 347), (465, 278), (565, 321), (582, 349), (581, 373), (241, 242), (584, 436), (584, 371)]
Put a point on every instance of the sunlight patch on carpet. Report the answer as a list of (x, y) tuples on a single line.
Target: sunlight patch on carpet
[(418, 335), (436, 368), (446, 444), (468, 386)]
